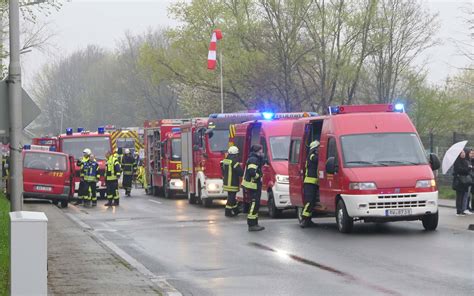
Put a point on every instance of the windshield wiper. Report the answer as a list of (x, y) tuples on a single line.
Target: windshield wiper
[(365, 162), (398, 161), (280, 158)]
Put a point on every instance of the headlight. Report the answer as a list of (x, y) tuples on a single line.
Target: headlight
[(177, 183), (425, 183), (283, 179), (362, 186), (212, 187)]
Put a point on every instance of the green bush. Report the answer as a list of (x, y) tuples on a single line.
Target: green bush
[(4, 245)]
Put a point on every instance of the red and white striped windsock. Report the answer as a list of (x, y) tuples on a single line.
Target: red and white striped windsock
[(211, 57)]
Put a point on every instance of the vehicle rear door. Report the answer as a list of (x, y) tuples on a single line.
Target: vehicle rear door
[(296, 162), (40, 174)]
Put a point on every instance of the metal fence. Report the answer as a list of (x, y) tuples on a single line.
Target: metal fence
[(438, 144)]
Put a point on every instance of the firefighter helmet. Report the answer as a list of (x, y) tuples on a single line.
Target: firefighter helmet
[(87, 151), (314, 144), (233, 150), (127, 151)]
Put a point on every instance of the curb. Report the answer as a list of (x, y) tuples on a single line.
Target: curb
[(446, 206), (160, 282)]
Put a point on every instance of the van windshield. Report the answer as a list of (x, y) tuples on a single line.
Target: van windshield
[(45, 161), (382, 149), (98, 145), (219, 140), (280, 147), (176, 149)]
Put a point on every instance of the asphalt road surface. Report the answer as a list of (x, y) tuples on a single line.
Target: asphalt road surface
[(201, 252)]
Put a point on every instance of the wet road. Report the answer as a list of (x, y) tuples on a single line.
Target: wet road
[(201, 252)]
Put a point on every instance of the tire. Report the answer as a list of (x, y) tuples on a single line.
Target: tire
[(199, 194), (207, 202), (191, 196), (166, 191), (430, 221), (55, 202), (155, 190), (273, 211), (344, 222), (64, 204)]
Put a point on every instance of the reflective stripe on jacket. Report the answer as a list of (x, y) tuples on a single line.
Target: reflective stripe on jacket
[(253, 172), (91, 173), (311, 174), (112, 169), (231, 173)]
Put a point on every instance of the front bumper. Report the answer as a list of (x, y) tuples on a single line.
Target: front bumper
[(176, 184), (376, 205), (281, 194), (214, 189), (48, 196)]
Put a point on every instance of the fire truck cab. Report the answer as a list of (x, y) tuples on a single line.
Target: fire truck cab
[(163, 157), (47, 174), (74, 144), (273, 133), (46, 141), (372, 166)]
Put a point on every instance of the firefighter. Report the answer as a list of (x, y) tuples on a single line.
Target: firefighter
[(112, 174), (128, 169), (311, 185), (252, 183), (82, 164), (5, 170), (91, 177), (231, 172)]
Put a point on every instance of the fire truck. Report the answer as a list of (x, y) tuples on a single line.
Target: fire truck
[(273, 133), (204, 144), (163, 157), (126, 138), (74, 144), (46, 141), (372, 166)]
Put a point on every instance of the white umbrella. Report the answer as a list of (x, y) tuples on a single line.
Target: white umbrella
[(451, 155)]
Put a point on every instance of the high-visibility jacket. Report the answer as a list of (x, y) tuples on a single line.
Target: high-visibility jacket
[(128, 165), (91, 169), (231, 173), (311, 174), (253, 172), (80, 163), (112, 169)]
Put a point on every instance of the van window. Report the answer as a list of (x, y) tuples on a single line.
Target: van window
[(264, 146), (45, 161), (382, 149), (280, 147), (295, 151)]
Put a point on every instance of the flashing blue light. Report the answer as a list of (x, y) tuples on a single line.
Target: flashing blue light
[(268, 115), (399, 107), (175, 130), (69, 131), (26, 147), (52, 148), (80, 129), (214, 115), (333, 109), (101, 130)]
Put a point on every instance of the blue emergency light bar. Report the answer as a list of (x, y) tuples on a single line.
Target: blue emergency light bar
[(176, 130), (344, 109), (80, 129), (26, 147), (268, 115), (101, 130), (69, 131), (52, 148), (400, 107)]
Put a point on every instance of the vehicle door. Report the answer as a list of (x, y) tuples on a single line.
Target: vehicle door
[(330, 185), (252, 138), (296, 162)]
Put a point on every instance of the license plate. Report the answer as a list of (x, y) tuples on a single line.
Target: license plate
[(43, 188), (398, 212)]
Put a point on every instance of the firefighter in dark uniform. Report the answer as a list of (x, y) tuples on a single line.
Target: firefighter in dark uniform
[(91, 177), (252, 183), (83, 191), (128, 169), (231, 172), (112, 174), (311, 185)]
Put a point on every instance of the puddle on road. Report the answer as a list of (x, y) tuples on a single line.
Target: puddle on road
[(325, 268)]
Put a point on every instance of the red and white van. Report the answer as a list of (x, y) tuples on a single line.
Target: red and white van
[(48, 175), (372, 166)]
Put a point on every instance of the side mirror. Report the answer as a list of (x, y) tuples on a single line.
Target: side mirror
[(331, 166), (266, 161), (434, 162), (195, 148)]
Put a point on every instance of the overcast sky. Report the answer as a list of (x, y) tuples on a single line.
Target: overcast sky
[(82, 22)]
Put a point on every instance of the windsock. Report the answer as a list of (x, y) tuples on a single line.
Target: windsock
[(211, 57)]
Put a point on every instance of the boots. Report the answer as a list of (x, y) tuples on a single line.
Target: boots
[(229, 213), (94, 203), (109, 203), (78, 202), (116, 202), (256, 228), (306, 222)]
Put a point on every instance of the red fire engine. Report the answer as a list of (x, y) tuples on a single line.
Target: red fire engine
[(204, 144), (46, 141), (74, 144), (163, 157)]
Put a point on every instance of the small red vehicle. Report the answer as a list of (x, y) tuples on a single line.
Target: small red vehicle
[(372, 166), (48, 175)]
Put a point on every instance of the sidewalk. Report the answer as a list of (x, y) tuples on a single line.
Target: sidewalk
[(78, 264), (447, 203)]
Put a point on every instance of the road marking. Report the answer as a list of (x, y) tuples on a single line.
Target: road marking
[(158, 202), (160, 281)]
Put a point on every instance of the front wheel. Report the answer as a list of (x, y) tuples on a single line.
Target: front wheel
[(345, 223), (64, 203), (430, 221), (273, 211), (191, 196)]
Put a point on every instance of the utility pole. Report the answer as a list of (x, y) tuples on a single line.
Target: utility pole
[(14, 94)]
